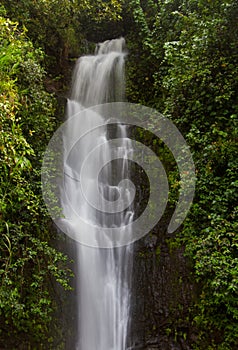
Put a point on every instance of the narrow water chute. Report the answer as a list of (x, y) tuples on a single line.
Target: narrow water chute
[(104, 275)]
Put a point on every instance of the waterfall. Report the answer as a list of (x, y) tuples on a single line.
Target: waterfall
[(104, 274)]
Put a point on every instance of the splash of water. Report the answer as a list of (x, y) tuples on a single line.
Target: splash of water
[(104, 274)]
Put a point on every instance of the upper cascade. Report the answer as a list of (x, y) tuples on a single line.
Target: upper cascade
[(100, 78), (114, 45)]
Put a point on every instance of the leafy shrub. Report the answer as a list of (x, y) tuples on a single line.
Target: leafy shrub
[(28, 263)]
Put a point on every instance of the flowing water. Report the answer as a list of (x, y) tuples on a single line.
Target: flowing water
[(104, 274)]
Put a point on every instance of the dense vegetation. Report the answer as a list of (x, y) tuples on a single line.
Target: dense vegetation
[(192, 77), (28, 263), (183, 61)]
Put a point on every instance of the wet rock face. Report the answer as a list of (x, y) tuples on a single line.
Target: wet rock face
[(162, 295)]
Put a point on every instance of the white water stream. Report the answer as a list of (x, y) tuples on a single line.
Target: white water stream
[(104, 274)]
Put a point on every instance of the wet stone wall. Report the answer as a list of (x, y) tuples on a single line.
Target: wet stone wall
[(163, 293)]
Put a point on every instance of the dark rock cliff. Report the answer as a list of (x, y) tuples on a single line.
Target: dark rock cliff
[(163, 294)]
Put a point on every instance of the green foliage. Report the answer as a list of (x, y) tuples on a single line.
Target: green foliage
[(28, 265), (62, 28), (188, 51), (202, 85)]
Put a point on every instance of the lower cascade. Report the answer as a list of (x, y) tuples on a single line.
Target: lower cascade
[(104, 274)]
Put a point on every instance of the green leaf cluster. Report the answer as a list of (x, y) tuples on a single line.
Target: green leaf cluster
[(185, 64), (63, 28), (28, 264)]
